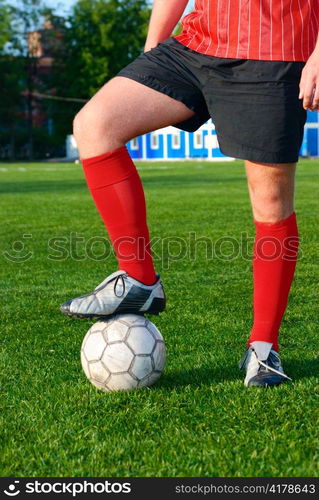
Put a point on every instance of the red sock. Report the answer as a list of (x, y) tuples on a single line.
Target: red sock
[(275, 256), (118, 194)]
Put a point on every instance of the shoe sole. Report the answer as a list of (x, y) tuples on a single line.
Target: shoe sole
[(267, 385), (156, 307), (106, 316)]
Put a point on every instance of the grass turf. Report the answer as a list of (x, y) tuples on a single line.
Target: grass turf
[(199, 420)]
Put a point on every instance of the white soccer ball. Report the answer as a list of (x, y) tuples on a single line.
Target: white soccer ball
[(124, 352)]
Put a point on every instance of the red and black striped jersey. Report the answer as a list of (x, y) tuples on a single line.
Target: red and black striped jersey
[(275, 30)]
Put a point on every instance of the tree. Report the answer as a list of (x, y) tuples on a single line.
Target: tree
[(104, 36), (100, 38), (88, 48), (11, 86), (5, 24), (18, 67), (11, 67)]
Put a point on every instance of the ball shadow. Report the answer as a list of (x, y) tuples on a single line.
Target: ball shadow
[(204, 376)]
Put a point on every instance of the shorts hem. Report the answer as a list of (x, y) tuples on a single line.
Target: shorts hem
[(246, 153)]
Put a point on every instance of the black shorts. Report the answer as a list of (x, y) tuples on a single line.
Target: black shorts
[(253, 104)]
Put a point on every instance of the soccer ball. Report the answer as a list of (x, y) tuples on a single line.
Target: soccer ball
[(124, 352)]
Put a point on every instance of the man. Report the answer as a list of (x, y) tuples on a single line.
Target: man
[(253, 66)]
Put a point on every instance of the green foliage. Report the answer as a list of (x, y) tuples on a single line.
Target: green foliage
[(12, 83), (101, 37), (19, 77), (199, 420), (5, 20), (45, 144), (88, 48)]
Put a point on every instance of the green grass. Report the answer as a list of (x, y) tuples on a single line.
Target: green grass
[(199, 420)]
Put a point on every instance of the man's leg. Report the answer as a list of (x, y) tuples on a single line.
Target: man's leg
[(271, 189), (121, 110)]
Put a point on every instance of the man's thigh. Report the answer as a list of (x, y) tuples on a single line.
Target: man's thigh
[(134, 109)]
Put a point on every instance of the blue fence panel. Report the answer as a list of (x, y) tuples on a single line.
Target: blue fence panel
[(173, 152), (152, 152), (312, 141), (312, 117), (197, 152), (136, 153)]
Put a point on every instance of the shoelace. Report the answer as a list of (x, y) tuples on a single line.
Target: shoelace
[(269, 367), (121, 277), (110, 278)]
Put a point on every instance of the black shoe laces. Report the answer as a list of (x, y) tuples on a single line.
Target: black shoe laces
[(121, 277)]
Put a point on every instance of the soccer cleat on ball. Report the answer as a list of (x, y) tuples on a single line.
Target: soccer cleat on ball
[(118, 293), (262, 365), (123, 352)]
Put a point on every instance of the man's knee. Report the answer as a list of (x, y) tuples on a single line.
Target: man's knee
[(90, 125), (77, 124), (272, 206), (272, 190), (84, 124)]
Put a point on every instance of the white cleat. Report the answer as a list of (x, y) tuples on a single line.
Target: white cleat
[(118, 293)]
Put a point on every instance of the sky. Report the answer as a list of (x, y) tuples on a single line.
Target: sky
[(64, 6), (61, 7)]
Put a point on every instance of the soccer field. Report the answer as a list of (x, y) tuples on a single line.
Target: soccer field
[(199, 419)]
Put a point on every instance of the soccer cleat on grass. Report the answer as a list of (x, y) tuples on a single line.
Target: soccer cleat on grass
[(263, 366), (118, 293)]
